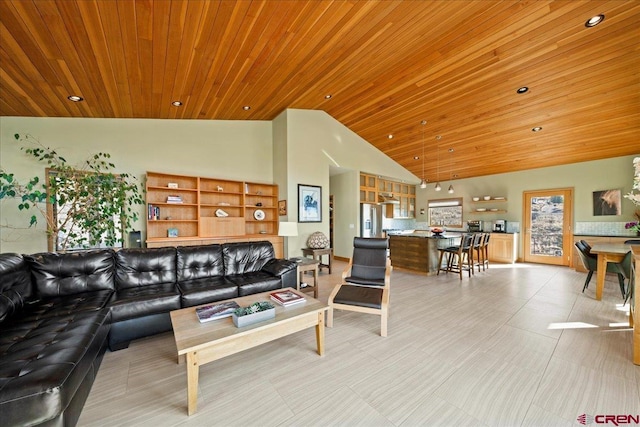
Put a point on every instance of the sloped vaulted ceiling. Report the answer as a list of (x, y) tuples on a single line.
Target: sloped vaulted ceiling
[(387, 65)]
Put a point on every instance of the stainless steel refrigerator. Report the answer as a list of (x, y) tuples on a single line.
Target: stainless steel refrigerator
[(370, 220)]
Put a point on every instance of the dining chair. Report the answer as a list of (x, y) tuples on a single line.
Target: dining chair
[(590, 262)]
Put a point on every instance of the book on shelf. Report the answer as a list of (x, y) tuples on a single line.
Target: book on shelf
[(153, 212), (287, 298), (174, 199), (211, 312)]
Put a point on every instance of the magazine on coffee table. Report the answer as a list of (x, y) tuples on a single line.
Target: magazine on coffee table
[(287, 298), (211, 312)]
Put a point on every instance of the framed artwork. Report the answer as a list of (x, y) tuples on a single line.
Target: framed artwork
[(309, 203), (607, 202), (282, 207), (445, 212)]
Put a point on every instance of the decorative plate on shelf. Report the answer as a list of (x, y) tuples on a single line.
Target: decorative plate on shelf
[(499, 198), (259, 214), (494, 210), (481, 210)]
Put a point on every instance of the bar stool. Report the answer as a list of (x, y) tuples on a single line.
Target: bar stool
[(485, 250), (459, 258), (478, 249)]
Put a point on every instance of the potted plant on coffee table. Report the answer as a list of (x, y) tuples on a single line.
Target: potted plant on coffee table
[(256, 312)]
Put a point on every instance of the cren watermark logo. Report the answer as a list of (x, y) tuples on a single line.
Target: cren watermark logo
[(616, 420), (585, 419)]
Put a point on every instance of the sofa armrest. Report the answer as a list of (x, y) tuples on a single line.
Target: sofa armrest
[(278, 267)]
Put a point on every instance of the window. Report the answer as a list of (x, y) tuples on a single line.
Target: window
[(83, 210), (445, 212)]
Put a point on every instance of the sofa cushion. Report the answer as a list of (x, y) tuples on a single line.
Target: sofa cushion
[(143, 267), (202, 291), (15, 284), (199, 262), (253, 283), (56, 274), (246, 257), (65, 305), (129, 303), (43, 362)]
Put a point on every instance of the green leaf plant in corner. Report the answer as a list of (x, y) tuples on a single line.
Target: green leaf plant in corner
[(84, 206)]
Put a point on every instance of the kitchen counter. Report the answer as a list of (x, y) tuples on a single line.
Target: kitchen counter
[(418, 251), (428, 234)]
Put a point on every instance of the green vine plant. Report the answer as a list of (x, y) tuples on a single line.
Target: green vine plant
[(92, 205), (256, 307)]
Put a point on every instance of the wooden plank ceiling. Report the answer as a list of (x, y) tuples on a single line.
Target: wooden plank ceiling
[(387, 65)]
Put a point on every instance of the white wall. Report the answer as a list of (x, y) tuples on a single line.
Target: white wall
[(238, 150), (345, 190), (316, 141), (296, 148), (584, 178)]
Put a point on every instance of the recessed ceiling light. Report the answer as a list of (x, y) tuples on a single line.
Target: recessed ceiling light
[(592, 22), (328, 96), (522, 89), (176, 103), (451, 150), (438, 137), (537, 129), (246, 108), (416, 157), (390, 136), (75, 98)]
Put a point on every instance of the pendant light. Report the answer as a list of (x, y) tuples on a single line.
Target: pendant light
[(438, 187), (450, 190), (423, 182)]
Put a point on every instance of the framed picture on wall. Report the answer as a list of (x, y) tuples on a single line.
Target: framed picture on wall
[(445, 212), (607, 202), (309, 203), (282, 207)]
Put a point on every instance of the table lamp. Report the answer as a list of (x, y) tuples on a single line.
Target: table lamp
[(287, 229)]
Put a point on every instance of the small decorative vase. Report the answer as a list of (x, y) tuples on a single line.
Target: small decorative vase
[(317, 240)]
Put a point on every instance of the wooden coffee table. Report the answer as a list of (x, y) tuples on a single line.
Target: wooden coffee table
[(202, 343)]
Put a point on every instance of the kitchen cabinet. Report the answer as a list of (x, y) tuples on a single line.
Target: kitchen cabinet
[(503, 247), (372, 187), (368, 188)]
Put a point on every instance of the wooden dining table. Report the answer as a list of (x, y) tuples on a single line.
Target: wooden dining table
[(607, 252)]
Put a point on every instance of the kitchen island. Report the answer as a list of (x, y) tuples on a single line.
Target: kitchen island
[(418, 251)]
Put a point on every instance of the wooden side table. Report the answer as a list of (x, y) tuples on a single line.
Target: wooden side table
[(317, 254), (305, 264)]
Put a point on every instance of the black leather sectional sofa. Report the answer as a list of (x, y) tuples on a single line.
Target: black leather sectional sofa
[(60, 312)]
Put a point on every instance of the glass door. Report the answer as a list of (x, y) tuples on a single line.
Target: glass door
[(547, 226)]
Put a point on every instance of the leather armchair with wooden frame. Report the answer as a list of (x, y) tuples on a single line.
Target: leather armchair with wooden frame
[(365, 282)]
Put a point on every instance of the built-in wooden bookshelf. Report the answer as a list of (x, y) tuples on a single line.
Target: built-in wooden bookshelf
[(182, 210)]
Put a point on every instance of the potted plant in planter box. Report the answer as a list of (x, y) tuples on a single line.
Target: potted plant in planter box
[(85, 205), (256, 312)]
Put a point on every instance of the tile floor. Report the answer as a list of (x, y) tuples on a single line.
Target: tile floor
[(513, 346)]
